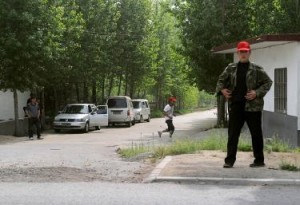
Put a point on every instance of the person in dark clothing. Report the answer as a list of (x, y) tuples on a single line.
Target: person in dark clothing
[(27, 102), (33, 111), (244, 84)]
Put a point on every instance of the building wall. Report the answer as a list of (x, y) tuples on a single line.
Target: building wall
[(281, 56), (7, 104), (286, 126)]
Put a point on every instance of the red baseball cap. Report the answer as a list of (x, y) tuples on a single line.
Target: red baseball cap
[(243, 46), (172, 99)]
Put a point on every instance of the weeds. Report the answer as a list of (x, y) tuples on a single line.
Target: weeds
[(277, 145), (134, 150), (185, 146), (289, 167)]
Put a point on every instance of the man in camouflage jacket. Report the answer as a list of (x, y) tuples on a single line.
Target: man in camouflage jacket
[(244, 84)]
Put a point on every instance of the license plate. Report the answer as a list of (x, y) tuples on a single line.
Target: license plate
[(117, 113), (66, 124)]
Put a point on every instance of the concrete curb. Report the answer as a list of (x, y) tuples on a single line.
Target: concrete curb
[(155, 173), (228, 181), (154, 177)]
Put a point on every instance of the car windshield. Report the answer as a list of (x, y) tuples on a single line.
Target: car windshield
[(117, 103), (136, 104), (76, 109)]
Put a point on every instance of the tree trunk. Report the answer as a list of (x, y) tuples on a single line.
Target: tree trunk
[(120, 85), (77, 92), (222, 114), (56, 100), (103, 91), (94, 93), (85, 92), (18, 131), (110, 87)]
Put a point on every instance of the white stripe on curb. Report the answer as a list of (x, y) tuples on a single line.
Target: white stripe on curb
[(234, 181), (154, 177), (155, 173)]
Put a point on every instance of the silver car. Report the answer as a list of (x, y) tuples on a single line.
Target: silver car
[(78, 117), (141, 109)]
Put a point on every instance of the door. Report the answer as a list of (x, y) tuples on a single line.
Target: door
[(146, 109), (102, 113), (94, 118)]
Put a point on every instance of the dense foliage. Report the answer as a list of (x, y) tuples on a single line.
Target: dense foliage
[(87, 50), (210, 23)]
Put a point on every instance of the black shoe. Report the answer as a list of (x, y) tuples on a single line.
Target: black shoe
[(40, 138), (261, 164), (227, 165)]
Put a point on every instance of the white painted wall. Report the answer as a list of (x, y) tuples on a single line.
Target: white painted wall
[(281, 56), (7, 104)]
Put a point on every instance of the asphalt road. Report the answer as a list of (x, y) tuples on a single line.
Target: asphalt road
[(81, 157), (143, 194), (75, 168)]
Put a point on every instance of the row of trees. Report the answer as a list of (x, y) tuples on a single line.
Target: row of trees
[(84, 51), (209, 23)]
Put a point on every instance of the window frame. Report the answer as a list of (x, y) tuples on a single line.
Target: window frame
[(280, 90)]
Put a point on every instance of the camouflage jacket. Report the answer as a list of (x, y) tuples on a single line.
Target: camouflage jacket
[(256, 79)]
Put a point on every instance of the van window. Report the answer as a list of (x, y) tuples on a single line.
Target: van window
[(136, 104), (117, 103)]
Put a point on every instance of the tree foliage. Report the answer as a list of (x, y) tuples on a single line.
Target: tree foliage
[(210, 23)]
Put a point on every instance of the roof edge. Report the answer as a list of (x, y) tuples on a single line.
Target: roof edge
[(258, 39)]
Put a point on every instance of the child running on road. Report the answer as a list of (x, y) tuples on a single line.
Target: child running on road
[(169, 114)]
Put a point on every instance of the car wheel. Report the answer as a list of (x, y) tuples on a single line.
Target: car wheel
[(57, 130), (148, 120), (86, 128), (141, 119)]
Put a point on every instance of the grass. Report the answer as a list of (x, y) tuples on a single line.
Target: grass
[(184, 146), (277, 145), (289, 167), (134, 150), (216, 141)]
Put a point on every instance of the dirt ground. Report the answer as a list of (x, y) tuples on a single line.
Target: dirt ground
[(210, 164)]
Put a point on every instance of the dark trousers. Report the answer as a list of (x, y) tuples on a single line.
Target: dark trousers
[(237, 117), (171, 127), (34, 122)]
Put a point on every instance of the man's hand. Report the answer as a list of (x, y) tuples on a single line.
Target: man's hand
[(251, 95), (226, 93)]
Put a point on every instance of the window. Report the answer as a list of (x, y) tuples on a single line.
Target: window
[(117, 103), (280, 95)]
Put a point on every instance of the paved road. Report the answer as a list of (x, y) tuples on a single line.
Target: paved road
[(77, 157), (143, 194), (75, 168)]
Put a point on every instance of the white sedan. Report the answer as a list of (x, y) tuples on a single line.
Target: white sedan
[(79, 117)]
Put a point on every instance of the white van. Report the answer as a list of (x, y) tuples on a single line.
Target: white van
[(142, 110), (120, 110)]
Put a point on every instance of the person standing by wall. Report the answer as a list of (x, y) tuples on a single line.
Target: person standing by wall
[(244, 85), (33, 111), (169, 114)]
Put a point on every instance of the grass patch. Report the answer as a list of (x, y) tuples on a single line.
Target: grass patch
[(185, 146), (134, 150), (289, 167), (216, 141), (277, 145)]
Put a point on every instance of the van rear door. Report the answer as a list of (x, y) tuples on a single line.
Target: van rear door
[(102, 112)]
